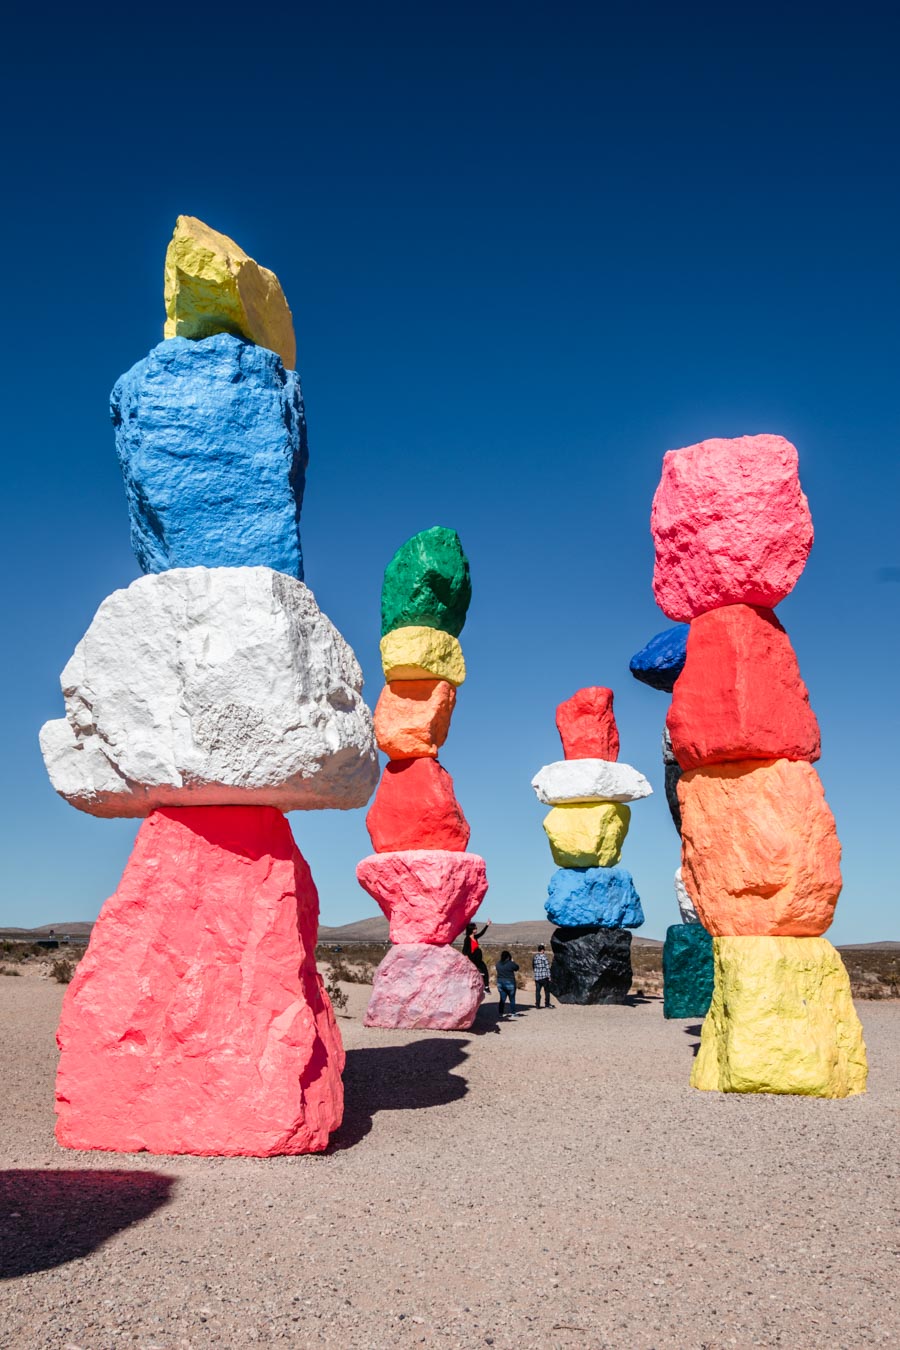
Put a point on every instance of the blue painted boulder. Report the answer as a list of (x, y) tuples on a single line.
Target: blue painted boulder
[(580, 897), (687, 971), (661, 662), (211, 439)]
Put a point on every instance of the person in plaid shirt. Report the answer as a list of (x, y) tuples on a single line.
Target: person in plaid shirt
[(541, 968)]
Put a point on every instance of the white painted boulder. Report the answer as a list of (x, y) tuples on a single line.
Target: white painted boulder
[(685, 903), (589, 780)]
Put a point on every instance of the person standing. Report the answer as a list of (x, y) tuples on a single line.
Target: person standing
[(541, 967), (506, 984), (473, 951)]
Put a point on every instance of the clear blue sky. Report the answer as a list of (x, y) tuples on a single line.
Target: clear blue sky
[(526, 255)]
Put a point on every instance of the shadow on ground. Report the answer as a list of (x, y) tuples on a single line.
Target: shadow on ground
[(409, 1077), (50, 1217), (694, 1030)]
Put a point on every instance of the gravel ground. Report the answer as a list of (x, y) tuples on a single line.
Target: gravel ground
[(549, 1182)]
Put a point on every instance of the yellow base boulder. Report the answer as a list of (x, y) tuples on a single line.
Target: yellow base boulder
[(418, 653), (587, 835), (213, 286), (781, 1020)]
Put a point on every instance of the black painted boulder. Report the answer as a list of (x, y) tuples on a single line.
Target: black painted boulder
[(673, 773), (687, 971), (591, 965)]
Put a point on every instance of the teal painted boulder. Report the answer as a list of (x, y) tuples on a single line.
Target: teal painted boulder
[(687, 971), (427, 584)]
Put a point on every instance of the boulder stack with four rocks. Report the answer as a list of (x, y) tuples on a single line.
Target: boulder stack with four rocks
[(761, 858), (208, 698), (423, 879), (591, 899)]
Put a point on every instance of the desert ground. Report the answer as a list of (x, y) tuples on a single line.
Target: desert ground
[(551, 1181)]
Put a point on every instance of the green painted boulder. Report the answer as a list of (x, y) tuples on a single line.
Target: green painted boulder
[(687, 971), (427, 584)]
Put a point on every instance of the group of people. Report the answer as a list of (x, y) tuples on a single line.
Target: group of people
[(505, 972)]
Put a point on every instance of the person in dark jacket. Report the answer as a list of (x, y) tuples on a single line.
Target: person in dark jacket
[(505, 972), (472, 950)]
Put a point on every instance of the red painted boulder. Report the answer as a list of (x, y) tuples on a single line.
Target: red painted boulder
[(422, 987), (429, 895), (740, 694), (731, 525), (415, 807), (587, 725), (196, 1022)]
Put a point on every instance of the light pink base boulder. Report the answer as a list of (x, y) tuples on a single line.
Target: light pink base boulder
[(419, 986), (428, 894)]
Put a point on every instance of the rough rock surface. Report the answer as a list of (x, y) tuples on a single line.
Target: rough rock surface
[(781, 1020), (740, 695), (420, 986), (211, 440), (412, 718), (684, 901), (415, 807), (568, 781), (587, 836), (587, 724), (213, 286), (427, 584), (688, 970), (422, 654), (591, 965), (660, 663), (429, 895), (219, 687), (730, 525), (760, 851), (590, 896), (196, 1022)]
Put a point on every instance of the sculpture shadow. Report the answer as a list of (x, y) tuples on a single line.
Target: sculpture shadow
[(410, 1077), (694, 1030), (54, 1216)]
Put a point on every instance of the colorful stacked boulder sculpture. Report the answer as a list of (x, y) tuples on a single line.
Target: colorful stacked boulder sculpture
[(761, 858), (591, 899), (207, 698), (423, 879), (687, 951)]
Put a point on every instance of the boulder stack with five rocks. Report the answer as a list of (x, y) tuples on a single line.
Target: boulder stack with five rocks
[(421, 876), (208, 698), (761, 858), (591, 899)]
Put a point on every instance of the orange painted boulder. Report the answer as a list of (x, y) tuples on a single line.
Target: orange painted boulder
[(412, 718), (587, 725), (415, 807), (428, 894), (196, 1022), (760, 853), (740, 694)]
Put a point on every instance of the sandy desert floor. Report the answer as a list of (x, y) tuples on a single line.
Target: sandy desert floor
[(550, 1182)]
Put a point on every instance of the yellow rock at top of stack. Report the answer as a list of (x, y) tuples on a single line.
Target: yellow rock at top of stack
[(213, 286)]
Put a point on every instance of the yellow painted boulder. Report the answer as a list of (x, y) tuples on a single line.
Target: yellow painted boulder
[(417, 653), (212, 286), (781, 1020), (587, 835)]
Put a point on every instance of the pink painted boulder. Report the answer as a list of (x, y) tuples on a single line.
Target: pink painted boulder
[(428, 894), (423, 987), (731, 525), (196, 1022)]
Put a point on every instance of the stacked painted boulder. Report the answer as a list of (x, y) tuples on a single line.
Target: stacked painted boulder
[(422, 877), (208, 698), (591, 899), (687, 951), (761, 858)]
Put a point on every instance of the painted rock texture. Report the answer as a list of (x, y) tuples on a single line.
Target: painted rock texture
[(412, 718), (661, 662), (429, 895), (213, 286), (761, 855), (211, 687), (688, 971), (422, 654), (587, 725), (415, 807), (589, 780), (781, 1020), (591, 965), (672, 771), (427, 584), (579, 898), (740, 695), (685, 903), (196, 1022), (426, 988), (587, 836), (731, 525), (211, 440)]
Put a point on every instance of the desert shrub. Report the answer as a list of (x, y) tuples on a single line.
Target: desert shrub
[(335, 993), (8, 970), (361, 973), (62, 970)]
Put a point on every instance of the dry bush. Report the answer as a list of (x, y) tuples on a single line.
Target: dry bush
[(62, 970), (336, 994), (8, 970)]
